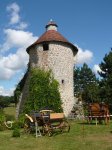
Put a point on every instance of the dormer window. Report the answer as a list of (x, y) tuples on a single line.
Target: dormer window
[(45, 47)]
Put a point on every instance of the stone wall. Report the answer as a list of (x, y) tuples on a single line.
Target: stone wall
[(59, 58), (23, 97)]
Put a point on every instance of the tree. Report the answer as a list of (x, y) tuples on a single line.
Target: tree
[(77, 83), (43, 91), (5, 101), (106, 78), (85, 84)]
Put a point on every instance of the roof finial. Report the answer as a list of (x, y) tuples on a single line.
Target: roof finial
[(51, 25), (51, 20)]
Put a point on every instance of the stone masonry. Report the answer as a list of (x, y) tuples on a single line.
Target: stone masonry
[(57, 55)]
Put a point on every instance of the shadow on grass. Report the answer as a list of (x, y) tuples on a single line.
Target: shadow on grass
[(58, 132)]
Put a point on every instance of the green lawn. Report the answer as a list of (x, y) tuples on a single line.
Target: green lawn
[(10, 112), (80, 137)]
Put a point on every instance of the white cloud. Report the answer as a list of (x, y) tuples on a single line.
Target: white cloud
[(14, 10), (16, 61), (15, 18), (10, 64), (96, 68), (17, 38), (83, 56), (5, 73), (6, 92), (22, 26), (13, 7)]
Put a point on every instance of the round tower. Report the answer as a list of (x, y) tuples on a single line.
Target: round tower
[(53, 51)]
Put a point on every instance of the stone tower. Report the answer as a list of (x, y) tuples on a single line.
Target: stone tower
[(53, 51)]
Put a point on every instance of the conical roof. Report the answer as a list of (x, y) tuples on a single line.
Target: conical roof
[(52, 35)]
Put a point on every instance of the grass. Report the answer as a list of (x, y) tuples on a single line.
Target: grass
[(10, 112), (81, 137)]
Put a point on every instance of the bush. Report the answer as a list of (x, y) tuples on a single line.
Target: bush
[(16, 133), (21, 120), (5, 101), (43, 92), (15, 125), (19, 123)]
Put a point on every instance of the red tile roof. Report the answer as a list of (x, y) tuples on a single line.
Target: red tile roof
[(51, 36)]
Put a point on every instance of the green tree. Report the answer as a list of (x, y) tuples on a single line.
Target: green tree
[(86, 84), (106, 78), (77, 84), (43, 91), (5, 101)]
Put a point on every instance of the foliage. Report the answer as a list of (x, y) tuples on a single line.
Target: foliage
[(91, 93), (16, 133), (19, 123), (106, 66), (17, 93), (2, 117), (5, 101), (15, 125), (19, 88), (21, 120), (43, 91), (106, 78), (86, 84), (9, 114)]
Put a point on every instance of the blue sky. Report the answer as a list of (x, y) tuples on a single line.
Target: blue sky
[(85, 23)]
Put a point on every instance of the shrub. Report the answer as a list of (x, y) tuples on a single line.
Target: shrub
[(5, 101), (15, 125), (21, 120), (19, 123), (16, 133), (43, 92)]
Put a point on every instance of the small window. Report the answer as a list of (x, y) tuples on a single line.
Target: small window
[(45, 47), (62, 81)]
